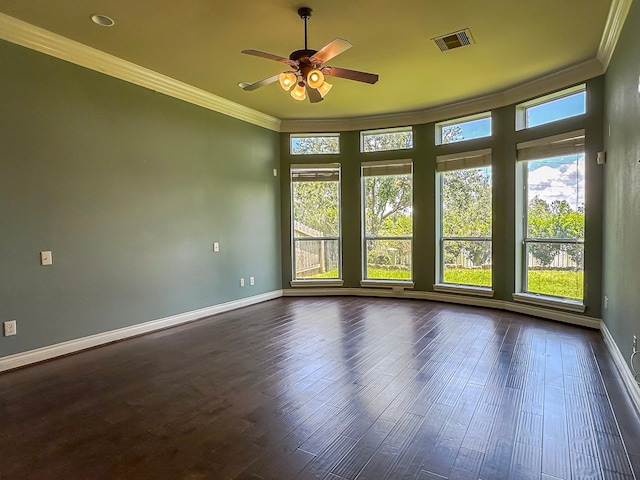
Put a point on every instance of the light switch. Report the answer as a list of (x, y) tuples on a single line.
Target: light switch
[(216, 246), (46, 258)]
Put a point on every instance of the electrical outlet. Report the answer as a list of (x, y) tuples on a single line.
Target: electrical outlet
[(252, 281), (635, 344), (10, 328), (242, 282), (216, 246)]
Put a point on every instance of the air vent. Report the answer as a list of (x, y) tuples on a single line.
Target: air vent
[(454, 40)]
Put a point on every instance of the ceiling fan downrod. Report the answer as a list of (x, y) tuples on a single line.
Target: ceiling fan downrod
[(305, 14)]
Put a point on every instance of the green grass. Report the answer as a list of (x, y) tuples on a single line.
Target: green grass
[(382, 274), (558, 283), (554, 282), (468, 276)]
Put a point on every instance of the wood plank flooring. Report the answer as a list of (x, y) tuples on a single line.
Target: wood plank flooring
[(328, 388)]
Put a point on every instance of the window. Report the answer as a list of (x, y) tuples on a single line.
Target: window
[(553, 212), (466, 128), (309, 144), (387, 219), (555, 106), (464, 256), (388, 139), (315, 207)]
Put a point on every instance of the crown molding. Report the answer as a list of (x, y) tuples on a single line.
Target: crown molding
[(29, 36), (35, 38), (613, 27), (525, 91)]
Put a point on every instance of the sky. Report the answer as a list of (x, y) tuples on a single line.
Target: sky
[(560, 178)]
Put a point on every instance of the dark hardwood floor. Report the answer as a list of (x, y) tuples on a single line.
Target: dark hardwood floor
[(330, 388)]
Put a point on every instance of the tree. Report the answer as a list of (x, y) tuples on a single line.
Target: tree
[(558, 221), (315, 145), (387, 141), (315, 204), (388, 207), (466, 206)]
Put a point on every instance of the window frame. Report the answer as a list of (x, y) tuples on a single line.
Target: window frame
[(364, 133), (292, 136), (333, 281), (569, 143), (461, 120), (456, 162), (380, 282), (521, 108)]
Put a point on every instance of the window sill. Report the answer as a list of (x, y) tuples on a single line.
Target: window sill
[(544, 301), (463, 289), (317, 282), (402, 284)]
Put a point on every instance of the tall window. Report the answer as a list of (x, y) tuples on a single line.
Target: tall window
[(465, 218), (553, 246), (387, 219), (315, 205)]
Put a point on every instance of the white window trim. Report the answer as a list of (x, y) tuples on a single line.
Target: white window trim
[(318, 282), (548, 301), (522, 266), (312, 135), (363, 133), (463, 289), (521, 108), (454, 121), (383, 283), (452, 162)]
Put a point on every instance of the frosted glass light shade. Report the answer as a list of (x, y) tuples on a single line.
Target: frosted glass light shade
[(324, 88), (315, 78), (287, 80), (299, 92)]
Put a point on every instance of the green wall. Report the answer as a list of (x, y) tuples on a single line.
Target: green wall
[(129, 189), (503, 144), (622, 187)]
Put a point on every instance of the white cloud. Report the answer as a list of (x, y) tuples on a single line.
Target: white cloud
[(558, 181)]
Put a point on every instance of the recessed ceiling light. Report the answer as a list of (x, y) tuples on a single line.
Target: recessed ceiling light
[(102, 20)]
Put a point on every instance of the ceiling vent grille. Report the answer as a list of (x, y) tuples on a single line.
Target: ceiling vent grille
[(454, 40)]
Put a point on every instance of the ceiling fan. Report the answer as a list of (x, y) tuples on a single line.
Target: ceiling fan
[(307, 71)]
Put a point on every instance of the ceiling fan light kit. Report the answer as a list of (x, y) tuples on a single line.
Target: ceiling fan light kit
[(287, 80), (299, 92), (308, 73)]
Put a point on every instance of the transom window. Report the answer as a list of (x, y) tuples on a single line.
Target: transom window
[(387, 139), (465, 128), (311, 144), (387, 217), (315, 206), (554, 189), (464, 256), (550, 108)]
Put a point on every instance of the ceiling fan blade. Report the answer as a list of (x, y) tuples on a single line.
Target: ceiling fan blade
[(350, 74), (260, 83), (314, 95), (268, 56), (333, 48)]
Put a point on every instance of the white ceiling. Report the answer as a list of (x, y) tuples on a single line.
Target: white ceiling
[(198, 42)]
